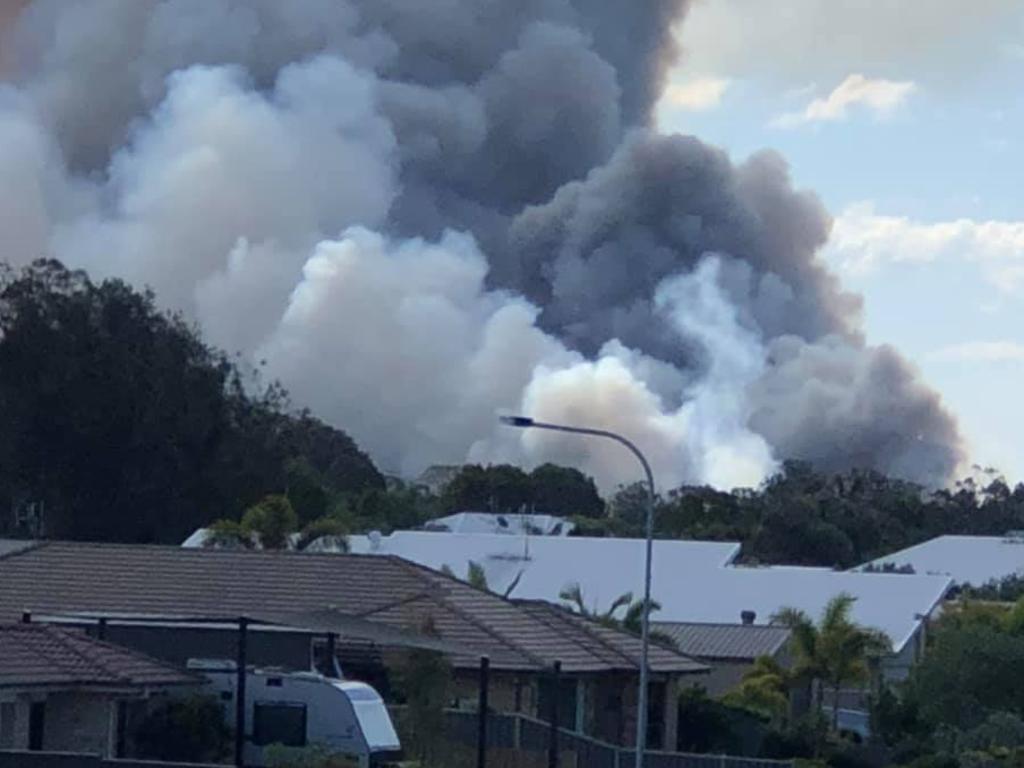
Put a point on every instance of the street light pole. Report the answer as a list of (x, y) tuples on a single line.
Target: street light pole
[(525, 422)]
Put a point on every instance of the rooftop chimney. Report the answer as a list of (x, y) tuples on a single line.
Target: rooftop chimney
[(748, 617)]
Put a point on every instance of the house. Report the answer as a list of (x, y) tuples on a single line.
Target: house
[(518, 524), (176, 604), (692, 581), (541, 567), (967, 560), (730, 650), (63, 691)]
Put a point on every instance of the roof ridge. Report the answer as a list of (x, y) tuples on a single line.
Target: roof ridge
[(588, 625), (59, 636), (95, 642), (30, 545), (469, 617)]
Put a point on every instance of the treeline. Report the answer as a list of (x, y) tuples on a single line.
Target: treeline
[(121, 424), (799, 516)]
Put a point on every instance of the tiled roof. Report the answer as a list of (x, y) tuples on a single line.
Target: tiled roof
[(725, 641), (62, 578), (37, 655), (10, 546)]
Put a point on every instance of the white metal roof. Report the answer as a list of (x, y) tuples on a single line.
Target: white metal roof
[(973, 560), (893, 603), (605, 567), (515, 524), (691, 579)]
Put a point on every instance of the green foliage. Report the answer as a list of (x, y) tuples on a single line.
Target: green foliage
[(125, 426), (331, 529), (706, 725), (501, 488), (189, 729), (424, 680), (1008, 589), (564, 492), (312, 756), (763, 690), (836, 652), (629, 506), (969, 672), (476, 577), (271, 520), (229, 534)]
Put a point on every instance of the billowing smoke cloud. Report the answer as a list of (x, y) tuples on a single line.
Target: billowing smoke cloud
[(422, 214)]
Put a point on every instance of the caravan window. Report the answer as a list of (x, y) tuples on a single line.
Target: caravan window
[(279, 724)]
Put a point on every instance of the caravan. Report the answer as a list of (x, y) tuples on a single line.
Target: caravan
[(297, 709)]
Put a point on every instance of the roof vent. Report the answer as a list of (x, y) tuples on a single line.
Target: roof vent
[(748, 617)]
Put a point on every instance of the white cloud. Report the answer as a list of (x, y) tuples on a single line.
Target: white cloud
[(863, 240), (881, 97), (697, 94), (802, 40), (980, 352)]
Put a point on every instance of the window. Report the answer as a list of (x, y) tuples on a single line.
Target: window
[(36, 724), (279, 724), (7, 714), (655, 715)]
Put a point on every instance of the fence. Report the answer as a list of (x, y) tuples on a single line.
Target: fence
[(18, 759), (519, 741)]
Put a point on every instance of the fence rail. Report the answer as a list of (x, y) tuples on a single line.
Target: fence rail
[(22, 759), (520, 734)]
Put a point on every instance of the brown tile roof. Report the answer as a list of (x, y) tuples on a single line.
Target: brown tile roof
[(726, 641), (62, 577), (33, 655)]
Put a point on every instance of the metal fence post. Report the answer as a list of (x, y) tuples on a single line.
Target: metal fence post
[(481, 736), (556, 681), (241, 663)]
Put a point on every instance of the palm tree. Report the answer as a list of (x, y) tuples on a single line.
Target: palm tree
[(764, 689), (834, 653), (631, 620)]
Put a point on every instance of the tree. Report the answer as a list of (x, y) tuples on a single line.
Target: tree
[(497, 488), (124, 426), (424, 680), (834, 653), (272, 520), (970, 671), (564, 492), (632, 617), (476, 576), (763, 690), (189, 729)]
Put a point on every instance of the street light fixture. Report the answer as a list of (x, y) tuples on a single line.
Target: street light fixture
[(525, 422)]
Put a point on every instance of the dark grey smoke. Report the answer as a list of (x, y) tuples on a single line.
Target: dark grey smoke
[(292, 174)]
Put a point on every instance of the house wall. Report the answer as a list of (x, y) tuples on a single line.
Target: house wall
[(723, 677), (79, 722), (896, 668), (501, 692), (14, 728)]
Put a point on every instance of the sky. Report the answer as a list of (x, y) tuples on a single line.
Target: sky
[(908, 125)]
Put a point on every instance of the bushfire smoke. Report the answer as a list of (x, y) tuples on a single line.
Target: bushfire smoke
[(422, 214)]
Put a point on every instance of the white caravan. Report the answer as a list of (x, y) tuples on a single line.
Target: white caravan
[(304, 708)]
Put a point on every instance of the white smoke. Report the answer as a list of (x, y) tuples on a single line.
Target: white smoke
[(421, 216)]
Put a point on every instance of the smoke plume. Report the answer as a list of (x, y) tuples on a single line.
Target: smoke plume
[(421, 214)]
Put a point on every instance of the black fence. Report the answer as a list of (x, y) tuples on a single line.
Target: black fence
[(18, 759), (518, 741)]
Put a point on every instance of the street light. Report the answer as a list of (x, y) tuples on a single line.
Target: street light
[(525, 422)]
